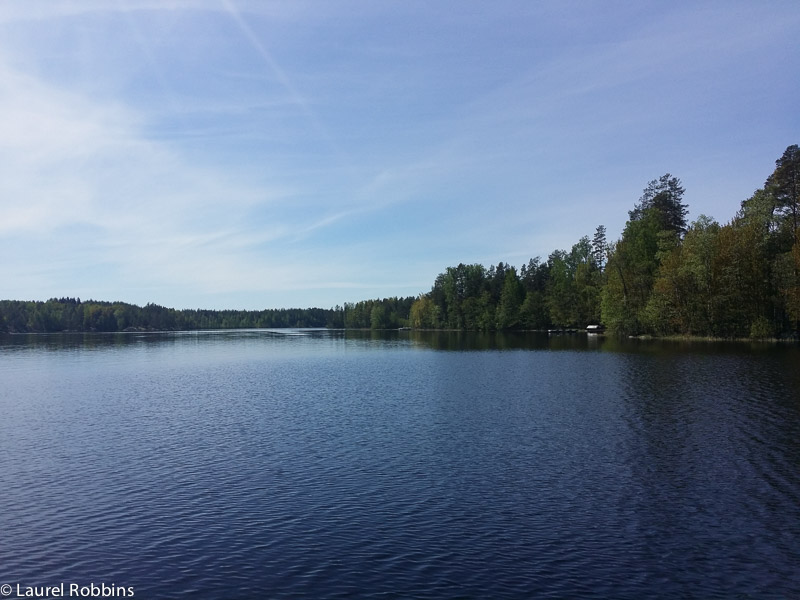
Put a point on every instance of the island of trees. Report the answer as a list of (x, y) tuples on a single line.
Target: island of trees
[(664, 276)]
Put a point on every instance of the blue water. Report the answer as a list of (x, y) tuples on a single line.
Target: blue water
[(314, 464)]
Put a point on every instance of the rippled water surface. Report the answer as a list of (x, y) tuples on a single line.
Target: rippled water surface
[(314, 464)]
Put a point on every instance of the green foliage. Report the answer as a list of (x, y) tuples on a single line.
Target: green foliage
[(71, 314), (662, 197), (784, 186), (508, 310), (424, 313), (614, 299), (378, 319), (740, 278), (682, 296), (388, 313), (560, 290), (564, 291), (535, 311), (737, 280), (761, 328), (630, 272)]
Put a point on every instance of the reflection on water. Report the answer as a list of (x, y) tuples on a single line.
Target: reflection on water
[(354, 464), (457, 341)]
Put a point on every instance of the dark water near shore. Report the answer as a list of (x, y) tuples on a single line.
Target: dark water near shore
[(314, 464)]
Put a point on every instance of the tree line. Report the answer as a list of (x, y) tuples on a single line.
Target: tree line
[(72, 314), (664, 276)]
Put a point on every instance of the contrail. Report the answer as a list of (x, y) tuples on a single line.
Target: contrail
[(284, 80)]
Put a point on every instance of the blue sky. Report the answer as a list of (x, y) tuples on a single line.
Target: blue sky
[(252, 154)]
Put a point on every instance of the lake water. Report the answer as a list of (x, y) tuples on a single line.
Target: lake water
[(319, 464)]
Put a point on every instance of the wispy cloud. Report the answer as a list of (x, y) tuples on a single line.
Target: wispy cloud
[(91, 206), (236, 150), (68, 164)]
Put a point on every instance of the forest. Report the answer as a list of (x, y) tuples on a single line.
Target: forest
[(664, 276), (72, 314)]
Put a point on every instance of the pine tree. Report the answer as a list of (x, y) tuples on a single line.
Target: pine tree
[(664, 195)]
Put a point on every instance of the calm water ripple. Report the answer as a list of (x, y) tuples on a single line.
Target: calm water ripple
[(314, 464)]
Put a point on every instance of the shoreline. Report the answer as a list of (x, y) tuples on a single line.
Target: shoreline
[(643, 337)]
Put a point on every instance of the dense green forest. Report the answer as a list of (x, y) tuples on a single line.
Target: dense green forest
[(71, 314), (664, 276)]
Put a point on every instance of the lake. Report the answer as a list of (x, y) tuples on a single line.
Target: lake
[(324, 464)]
